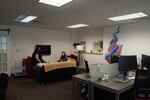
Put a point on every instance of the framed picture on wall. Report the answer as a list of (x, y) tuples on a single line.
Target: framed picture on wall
[(98, 47)]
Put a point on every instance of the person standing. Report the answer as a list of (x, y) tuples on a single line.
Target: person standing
[(37, 57)]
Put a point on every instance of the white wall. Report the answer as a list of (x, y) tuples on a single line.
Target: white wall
[(73, 39), (24, 39), (91, 36), (135, 38)]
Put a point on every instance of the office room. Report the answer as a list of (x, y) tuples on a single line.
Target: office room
[(74, 50)]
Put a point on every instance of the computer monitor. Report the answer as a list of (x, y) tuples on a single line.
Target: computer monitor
[(127, 63), (44, 49)]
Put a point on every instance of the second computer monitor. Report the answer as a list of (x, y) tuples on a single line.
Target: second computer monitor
[(127, 63)]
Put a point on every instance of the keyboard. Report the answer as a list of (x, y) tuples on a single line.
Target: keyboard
[(131, 77), (122, 80)]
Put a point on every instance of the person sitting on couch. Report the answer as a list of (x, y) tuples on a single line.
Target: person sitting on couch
[(63, 57)]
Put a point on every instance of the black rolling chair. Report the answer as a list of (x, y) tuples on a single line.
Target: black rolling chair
[(87, 66), (84, 87), (3, 85), (81, 70), (142, 85), (145, 61)]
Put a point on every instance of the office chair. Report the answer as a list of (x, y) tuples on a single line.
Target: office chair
[(84, 87), (87, 66), (3, 81), (3, 85), (142, 85), (145, 61)]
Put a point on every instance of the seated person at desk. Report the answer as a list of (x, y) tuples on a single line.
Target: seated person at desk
[(37, 57), (63, 57)]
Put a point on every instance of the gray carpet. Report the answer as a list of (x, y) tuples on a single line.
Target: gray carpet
[(29, 89)]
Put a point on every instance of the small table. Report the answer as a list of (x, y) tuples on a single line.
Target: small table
[(112, 87)]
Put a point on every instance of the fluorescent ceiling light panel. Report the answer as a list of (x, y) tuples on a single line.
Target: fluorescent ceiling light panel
[(19, 18), (28, 19), (77, 26), (128, 16), (56, 3)]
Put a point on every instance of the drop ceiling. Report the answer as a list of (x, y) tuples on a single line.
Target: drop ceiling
[(91, 12)]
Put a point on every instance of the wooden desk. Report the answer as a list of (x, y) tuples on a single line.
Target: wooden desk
[(109, 86), (77, 81), (112, 87)]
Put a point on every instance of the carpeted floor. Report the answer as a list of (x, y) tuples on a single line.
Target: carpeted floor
[(29, 89)]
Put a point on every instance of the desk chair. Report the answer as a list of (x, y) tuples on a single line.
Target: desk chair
[(3, 81), (3, 85), (145, 61), (83, 70), (142, 85), (87, 66), (84, 87)]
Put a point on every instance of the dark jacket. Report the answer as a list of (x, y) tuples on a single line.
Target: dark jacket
[(63, 58), (35, 61)]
